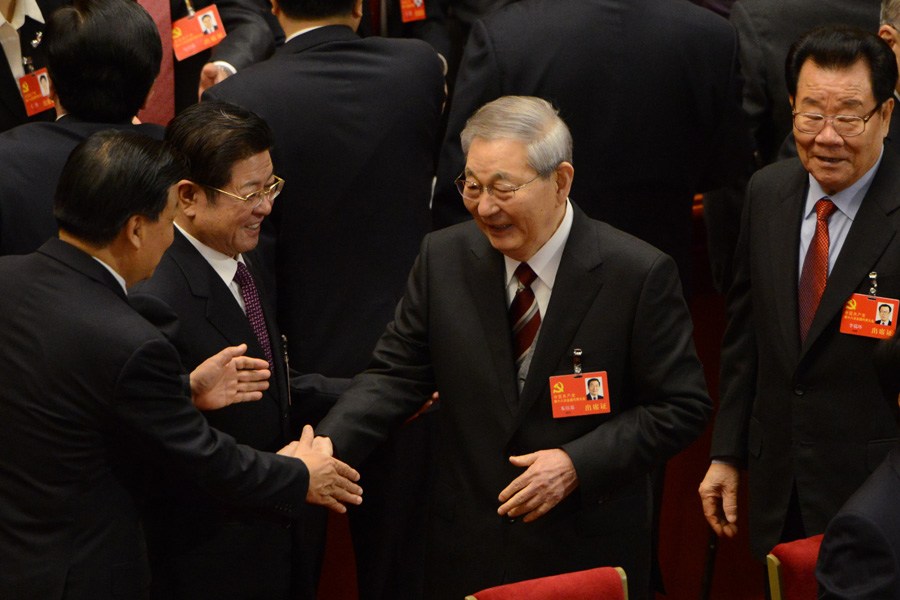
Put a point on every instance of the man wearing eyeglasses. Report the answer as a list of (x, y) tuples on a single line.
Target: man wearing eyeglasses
[(496, 311), (801, 407), (201, 547)]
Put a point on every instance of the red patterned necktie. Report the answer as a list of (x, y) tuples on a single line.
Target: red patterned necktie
[(524, 314), (815, 268), (254, 309)]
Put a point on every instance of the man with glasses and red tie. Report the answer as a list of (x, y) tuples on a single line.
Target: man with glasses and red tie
[(819, 251), (507, 316), (201, 547)]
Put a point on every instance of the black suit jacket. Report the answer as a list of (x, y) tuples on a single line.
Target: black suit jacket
[(355, 124), (651, 125), (616, 298), (860, 554), (12, 108), (92, 391), (810, 416), (198, 543), (33, 156)]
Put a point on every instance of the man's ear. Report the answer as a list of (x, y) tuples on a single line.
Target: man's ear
[(565, 173), (190, 195)]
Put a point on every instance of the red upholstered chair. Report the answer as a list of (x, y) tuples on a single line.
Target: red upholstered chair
[(792, 567), (602, 583)]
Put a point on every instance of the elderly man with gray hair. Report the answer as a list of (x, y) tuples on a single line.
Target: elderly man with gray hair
[(507, 316)]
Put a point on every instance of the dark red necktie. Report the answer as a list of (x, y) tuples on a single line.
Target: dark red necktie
[(524, 314), (815, 268), (254, 309)]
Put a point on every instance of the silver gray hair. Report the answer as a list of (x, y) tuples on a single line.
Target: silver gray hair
[(890, 12), (532, 121)]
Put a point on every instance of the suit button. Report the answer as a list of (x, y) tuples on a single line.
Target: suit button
[(511, 520), (798, 391)]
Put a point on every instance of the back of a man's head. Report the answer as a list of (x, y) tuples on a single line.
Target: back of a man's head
[(103, 56), (316, 9), (839, 47), (111, 176), (213, 136)]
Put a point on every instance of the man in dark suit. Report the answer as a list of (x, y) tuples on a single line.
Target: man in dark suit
[(199, 545), (355, 124), (92, 391), (801, 407), (595, 392), (860, 554), (103, 56), (887, 30), (600, 62), (574, 492)]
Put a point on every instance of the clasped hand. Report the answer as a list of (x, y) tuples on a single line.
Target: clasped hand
[(548, 478)]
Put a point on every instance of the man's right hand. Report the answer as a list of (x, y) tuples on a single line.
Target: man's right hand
[(332, 483), (718, 494)]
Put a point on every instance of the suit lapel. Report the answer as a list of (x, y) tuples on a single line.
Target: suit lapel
[(783, 229), (485, 278), (577, 283), (869, 235)]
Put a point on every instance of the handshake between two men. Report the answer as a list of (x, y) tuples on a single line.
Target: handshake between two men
[(230, 377)]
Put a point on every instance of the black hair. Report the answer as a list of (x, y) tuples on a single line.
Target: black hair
[(103, 56), (111, 176)]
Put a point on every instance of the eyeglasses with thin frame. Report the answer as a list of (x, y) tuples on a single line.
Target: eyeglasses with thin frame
[(471, 190), (843, 125), (254, 199)]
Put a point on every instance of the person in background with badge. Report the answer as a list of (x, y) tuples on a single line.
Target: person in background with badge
[(23, 61), (801, 407), (507, 316)]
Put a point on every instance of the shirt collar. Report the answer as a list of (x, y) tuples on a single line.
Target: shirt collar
[(224, 265), (118, 277), (301, 32), (545, 262), (25, 8), (847, 201)]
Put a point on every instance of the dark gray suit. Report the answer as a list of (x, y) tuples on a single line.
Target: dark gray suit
[(810, 416), (198, 543), (91, 392), (616, 298)]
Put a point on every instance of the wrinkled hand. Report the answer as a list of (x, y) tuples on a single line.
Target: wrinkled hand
[(210, 75), (718, 495), (550, 476), (331, 482), (229, 377)]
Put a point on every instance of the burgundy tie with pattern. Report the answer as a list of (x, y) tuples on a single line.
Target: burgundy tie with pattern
[(815, 268), (254, 309), (524, 314)]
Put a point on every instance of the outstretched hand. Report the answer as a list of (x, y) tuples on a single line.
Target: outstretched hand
[(229, 377)]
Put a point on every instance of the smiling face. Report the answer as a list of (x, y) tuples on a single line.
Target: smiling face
[(230, 225), (519, 226), (838, 162), (594, 387)]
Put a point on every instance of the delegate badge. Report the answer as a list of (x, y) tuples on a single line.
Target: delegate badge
[(870, 316), (579, 395), (197, 32), (412, 10), (35, 88)]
